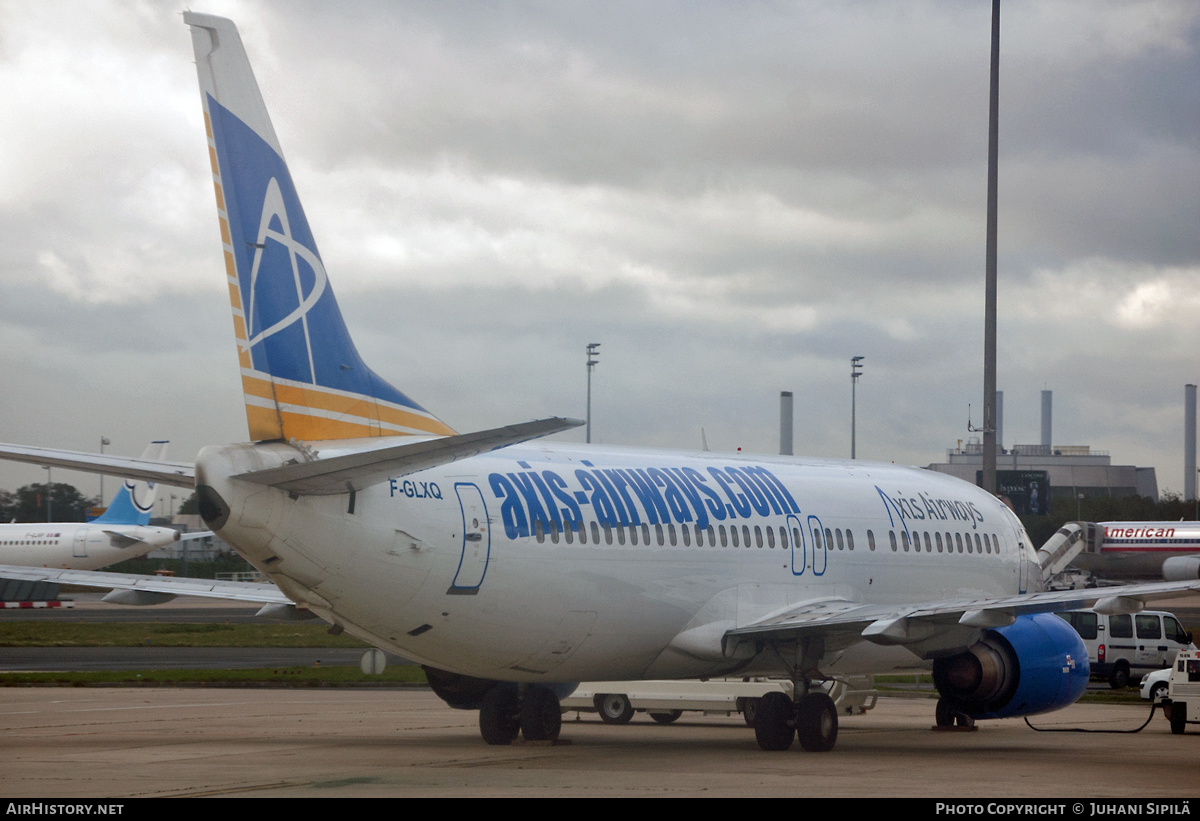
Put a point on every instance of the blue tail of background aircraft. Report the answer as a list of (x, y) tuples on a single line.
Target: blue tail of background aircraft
[(301, 375), (132, 504)]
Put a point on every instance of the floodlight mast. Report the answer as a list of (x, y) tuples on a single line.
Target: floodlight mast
[(592, 353)]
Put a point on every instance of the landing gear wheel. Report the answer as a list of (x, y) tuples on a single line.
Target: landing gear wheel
[(1118, 679), (498, 716), (1178, 718), (775, 722), (816, 723), (613, 708), (943, 713), (541, 717), (749, 709), (667, 718)]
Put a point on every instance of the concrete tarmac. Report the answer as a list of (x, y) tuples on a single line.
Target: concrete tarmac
[(127, 743)]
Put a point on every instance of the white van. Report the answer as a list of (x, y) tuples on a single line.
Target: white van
[(1120, 646)]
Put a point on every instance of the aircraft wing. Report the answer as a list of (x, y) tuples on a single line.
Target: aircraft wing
[(355, 471), (169, 586), (921, 622), (177, 474)]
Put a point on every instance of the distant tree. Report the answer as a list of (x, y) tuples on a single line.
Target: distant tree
[(63, 502), (8, 506), (190, 506)]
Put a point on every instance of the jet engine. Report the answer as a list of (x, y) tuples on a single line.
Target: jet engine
[(1036, 664)]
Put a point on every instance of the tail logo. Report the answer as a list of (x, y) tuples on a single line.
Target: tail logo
[(145, 502), (274, 212)]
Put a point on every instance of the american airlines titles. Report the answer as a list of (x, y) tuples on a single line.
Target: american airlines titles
[(533, 500)]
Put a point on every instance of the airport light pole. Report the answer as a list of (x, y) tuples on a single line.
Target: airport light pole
[(103, 441), (49, 491), (855, 373), (592, 353)]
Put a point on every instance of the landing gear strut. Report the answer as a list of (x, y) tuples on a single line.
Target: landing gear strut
[(506, 711)]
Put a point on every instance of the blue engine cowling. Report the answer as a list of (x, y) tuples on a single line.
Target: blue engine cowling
[(1035, 665)]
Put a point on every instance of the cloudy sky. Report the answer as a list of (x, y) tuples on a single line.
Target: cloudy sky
[(734, 198)]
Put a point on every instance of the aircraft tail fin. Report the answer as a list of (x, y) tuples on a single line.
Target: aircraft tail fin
[(301, 374), (132, 504)]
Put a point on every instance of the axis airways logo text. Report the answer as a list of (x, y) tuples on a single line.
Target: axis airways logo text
[(533, 501)]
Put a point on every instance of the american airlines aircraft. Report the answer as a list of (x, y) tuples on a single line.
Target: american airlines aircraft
[(122, 532), (512, 568), (1141, 550)]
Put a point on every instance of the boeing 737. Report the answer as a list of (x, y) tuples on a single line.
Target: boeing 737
[(122, 532), (512, 569)]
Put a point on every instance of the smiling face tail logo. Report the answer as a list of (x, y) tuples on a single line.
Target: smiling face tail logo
[(301, 374)]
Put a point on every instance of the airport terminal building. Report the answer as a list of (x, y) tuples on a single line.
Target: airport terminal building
[(1071, 470)]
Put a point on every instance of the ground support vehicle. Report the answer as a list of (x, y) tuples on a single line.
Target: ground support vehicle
[(1182, 704), (665, 701)]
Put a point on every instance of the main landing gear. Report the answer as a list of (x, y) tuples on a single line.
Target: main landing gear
[(812, 718), (533, 712)]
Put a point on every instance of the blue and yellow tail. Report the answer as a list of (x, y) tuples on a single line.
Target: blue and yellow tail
[(132, 504), (301, 374)]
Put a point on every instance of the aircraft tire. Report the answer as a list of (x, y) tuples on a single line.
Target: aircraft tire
[(817, 723), (775, 722), (943, 713), (498, 716), (667, 718), (541, 716), (614, 708)]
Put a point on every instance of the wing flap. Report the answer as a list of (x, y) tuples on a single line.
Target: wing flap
[(356, 471)]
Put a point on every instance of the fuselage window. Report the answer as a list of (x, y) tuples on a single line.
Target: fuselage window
[(539, 531), (892, 536), (746, 535), (770, 537), (928, 543), (733, 535), (658, 531), (938, 538), (958, 541), (554, 532), (871, 539), (849, 539), (724, 541), (569, 532), (758, 535), (671, 534), (608, 534), (712, 536), (904, 540), (699, 536), (595, 533), (841, 544), (687, 536), (978, 544), (645, 534), (582, 532), (620, 535), (633, 539)]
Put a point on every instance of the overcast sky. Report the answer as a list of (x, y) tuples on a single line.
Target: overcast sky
[(734, 198)]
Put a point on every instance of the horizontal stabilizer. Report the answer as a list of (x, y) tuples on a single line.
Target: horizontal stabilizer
[(176, 474), (356, 471), (205, 588)]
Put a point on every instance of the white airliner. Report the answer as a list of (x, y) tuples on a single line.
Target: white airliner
[(122, 532), (512, 570)]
